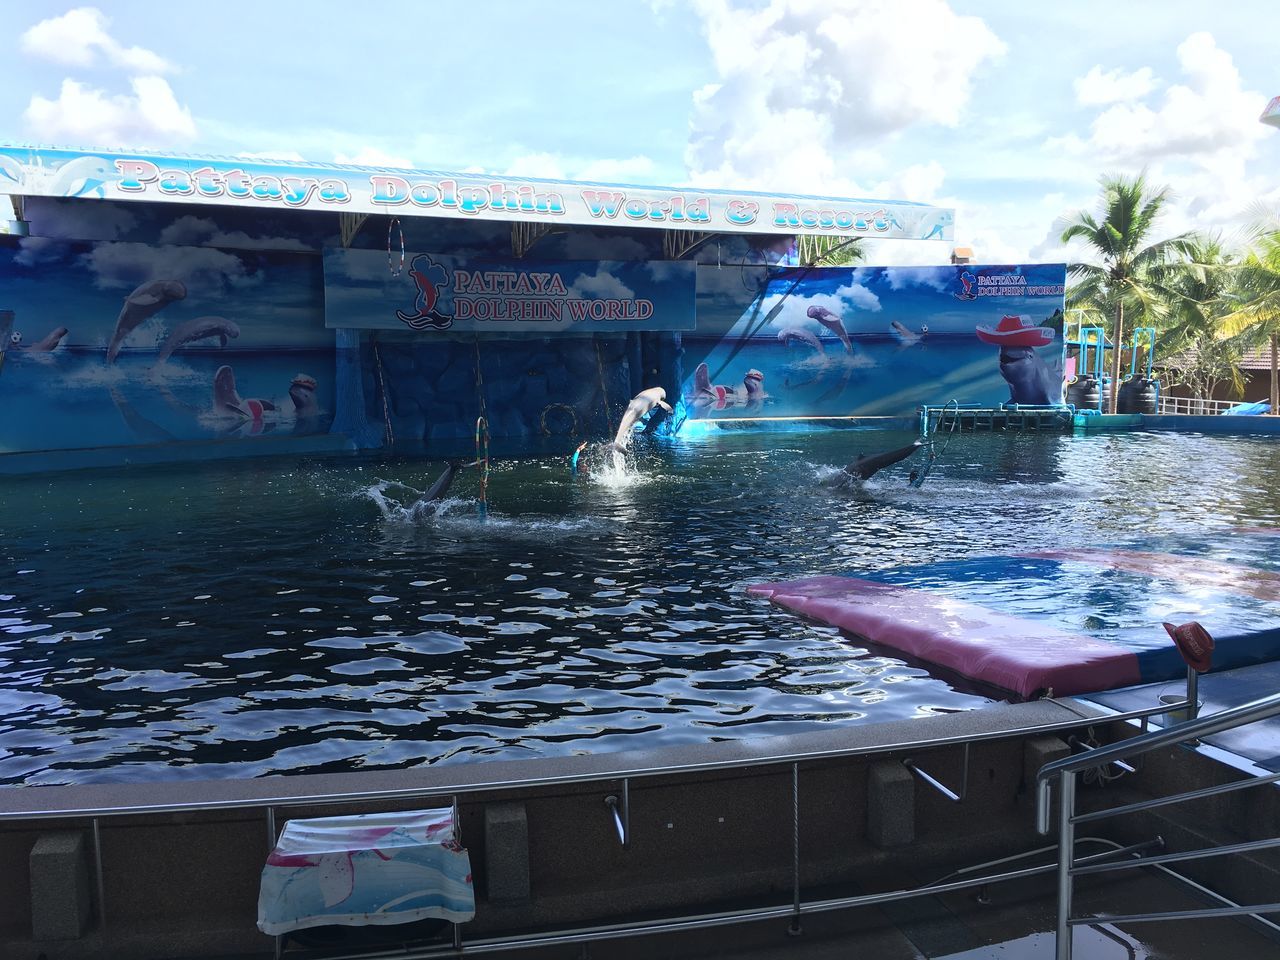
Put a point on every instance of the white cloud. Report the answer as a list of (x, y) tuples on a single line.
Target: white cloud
[(1097, 88), (1208, 115), (202, 231), (373, 157), (289, 155), (631, 170), (860, 297), (79, 36), (206, 273), (802, 84), (543, 166), (599, 286), (150, 117)]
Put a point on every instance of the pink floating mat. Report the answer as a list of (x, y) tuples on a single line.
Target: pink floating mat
[(1196, 572), (1024, 656)]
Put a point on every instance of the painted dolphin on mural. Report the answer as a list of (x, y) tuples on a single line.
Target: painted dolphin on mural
[(705, 394), (306, 408), (905, 335), (140, 306), (866, 466), (201, 328), (84, 177), (227, 401), (640, 404), (10, 169), (800, 335), (46, 344), (1030, 379), (936, 226), (832, 323), (143, 429)]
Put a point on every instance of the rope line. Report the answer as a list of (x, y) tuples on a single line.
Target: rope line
[(382, 389), (935, 454), (395, 271), (604, 392), (482, 436)]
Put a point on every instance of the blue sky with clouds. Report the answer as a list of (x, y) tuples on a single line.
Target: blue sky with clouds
[(1007, 111)]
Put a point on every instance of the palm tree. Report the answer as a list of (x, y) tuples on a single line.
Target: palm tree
[(1197, 294), (1125, 278), (1258, 289)]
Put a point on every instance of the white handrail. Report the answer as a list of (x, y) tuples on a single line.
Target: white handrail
[(1195, 406)]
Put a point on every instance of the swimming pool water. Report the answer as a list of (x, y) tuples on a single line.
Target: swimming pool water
[(277, 616)]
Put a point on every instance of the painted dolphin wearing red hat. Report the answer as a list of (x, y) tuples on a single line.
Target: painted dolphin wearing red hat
[(1030, 379)]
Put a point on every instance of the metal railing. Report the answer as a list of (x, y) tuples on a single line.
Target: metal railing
[(618, 806), (1194, 405), (1070, 767)]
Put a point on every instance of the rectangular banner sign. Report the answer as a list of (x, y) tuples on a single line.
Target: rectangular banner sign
[(432, 293), (339, 188), (874, 341)]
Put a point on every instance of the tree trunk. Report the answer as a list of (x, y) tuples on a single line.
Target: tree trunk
[(1115, 359), (1275, 374)]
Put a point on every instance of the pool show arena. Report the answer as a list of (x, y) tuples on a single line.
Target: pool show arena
[(325, 494)]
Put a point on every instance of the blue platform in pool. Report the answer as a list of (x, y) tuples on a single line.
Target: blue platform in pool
[(1058, 612)]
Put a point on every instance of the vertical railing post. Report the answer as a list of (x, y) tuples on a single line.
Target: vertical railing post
[(1066, 855), (794, 929), (97, 871)]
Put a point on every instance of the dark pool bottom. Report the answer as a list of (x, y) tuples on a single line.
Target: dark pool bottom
[(257, 617)]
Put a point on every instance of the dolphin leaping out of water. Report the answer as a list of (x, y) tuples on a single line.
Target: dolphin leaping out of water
[(140, 306), (640, 404), (201, 328), (866, 466), (832, 323)]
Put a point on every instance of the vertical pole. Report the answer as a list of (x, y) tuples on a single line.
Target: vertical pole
[(794, 929), (626, 812), (1193, 693), (1275, 378), (1066, 854), (97, 869), (277, 942), (457, 838)]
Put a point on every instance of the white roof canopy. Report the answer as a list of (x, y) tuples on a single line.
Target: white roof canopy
[(340, 188)]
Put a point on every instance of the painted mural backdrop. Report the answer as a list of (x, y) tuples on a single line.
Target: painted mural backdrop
[(873, 341), (118, 343)]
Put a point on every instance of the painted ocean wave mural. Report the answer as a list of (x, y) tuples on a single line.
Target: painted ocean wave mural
[(122, 343)]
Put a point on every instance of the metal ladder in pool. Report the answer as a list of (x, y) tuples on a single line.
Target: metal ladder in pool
[(1068, 769)]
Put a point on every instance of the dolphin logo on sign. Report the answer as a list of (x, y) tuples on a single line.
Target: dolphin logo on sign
[(433, 306)]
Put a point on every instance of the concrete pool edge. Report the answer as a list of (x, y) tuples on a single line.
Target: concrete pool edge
[(190, 451), (23, 802), (709, 824)]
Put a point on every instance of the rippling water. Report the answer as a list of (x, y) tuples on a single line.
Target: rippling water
[(257, 617)]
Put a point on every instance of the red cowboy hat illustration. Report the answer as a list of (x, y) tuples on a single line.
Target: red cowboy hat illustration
[(1194, 643), (1016, 331)]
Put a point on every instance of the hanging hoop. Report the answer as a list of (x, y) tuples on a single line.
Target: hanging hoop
[(482, 456), (573, 418), (394, 224)]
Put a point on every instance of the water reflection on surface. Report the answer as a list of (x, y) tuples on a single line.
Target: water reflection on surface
[(257, 617)]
